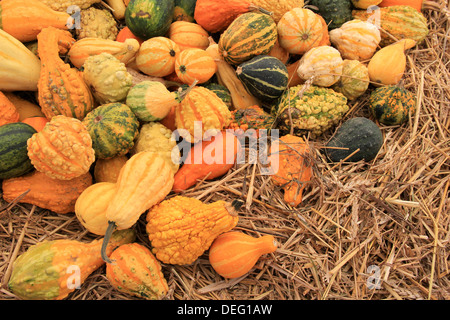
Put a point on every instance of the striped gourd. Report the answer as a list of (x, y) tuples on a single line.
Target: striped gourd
[(194, 64), (14, 159), (156, 56), (354, 81), (249, 35), (264, 76), (113, 128), (137, 272), (188, 35), (401, 22), (201, 114), (86, 47)]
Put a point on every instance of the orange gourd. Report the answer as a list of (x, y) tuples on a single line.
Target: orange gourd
[(416, 4), (194, 64), (8, 112), (38, 123), (156, 56), (125, 33), (233, 253), (188, 35), (208, 160), (25, 108)]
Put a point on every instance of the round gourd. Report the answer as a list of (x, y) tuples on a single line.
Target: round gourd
[(392, 105), (335, 12), (156, 56), (354, 80), (299, 30), (108, 170), (356, 133), (188, 35), (14, 160), (194, 64), (113, 128), (149, 18), (249, 35), (264, 76)]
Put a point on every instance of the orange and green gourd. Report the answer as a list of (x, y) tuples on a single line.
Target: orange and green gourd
[(156, 56), (48, 270), (251, 118)]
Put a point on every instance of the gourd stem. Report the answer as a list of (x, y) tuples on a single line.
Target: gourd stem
[(109, 231), (184, 93)]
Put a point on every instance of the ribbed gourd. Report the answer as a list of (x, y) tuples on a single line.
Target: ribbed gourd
[(137, 272), (354, 80), (51, 270), (181, 228), (113, 128), (156, 56), (264, 76), (61, 88), (188, 35), (144, 180), (194, 65), (201, 114), (107, 77), (311, 109), (249, 35), (63, 149)]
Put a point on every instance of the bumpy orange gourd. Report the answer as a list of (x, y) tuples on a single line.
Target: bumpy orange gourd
[(188, 35), (193, 64), (181, 228), (234, 253), (53, 194), (8, 112), (62, 90), (291, 162), (63, 149), (208, 160), (137, 272), (388, 65), (144, 180), (202, 114), (51, 270), (90, 207)]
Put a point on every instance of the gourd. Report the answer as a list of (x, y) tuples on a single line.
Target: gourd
[(249, 35), (38, 123), (278, 8), (14, 160), (149, 18), (113, 128), (24, 19), (90, 206), (97, 23), (388, 64), (156, 56), (294, 78), (194, 65), (300, 29), (392, 105), (62, 90), (201, 115), (234, 253), (107, 77), (291, 163), (335, 12), (107, 170), (45, 271), (118, 8), (188, 35), (63, 149), (137, 272), (252, 120), (309, 109), (215, 16), (364, 4), (208, 159), (8, 112), (323, 65), (416, 4), (125, 33), (181, 228), (63, 5), (155, 137), (184, 10), (25, 108), (356, 39), (82, 49), (56, 195), (264, 76), (354, 81), (19, 67), (144, 180), (221, 91), (152, 101), (396, 23), (279, 52), (226, 76), (359, 137)]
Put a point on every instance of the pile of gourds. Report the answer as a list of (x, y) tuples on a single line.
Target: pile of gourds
[(109, 87)]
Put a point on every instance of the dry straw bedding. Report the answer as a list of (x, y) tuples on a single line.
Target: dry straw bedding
[(387, 218)]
